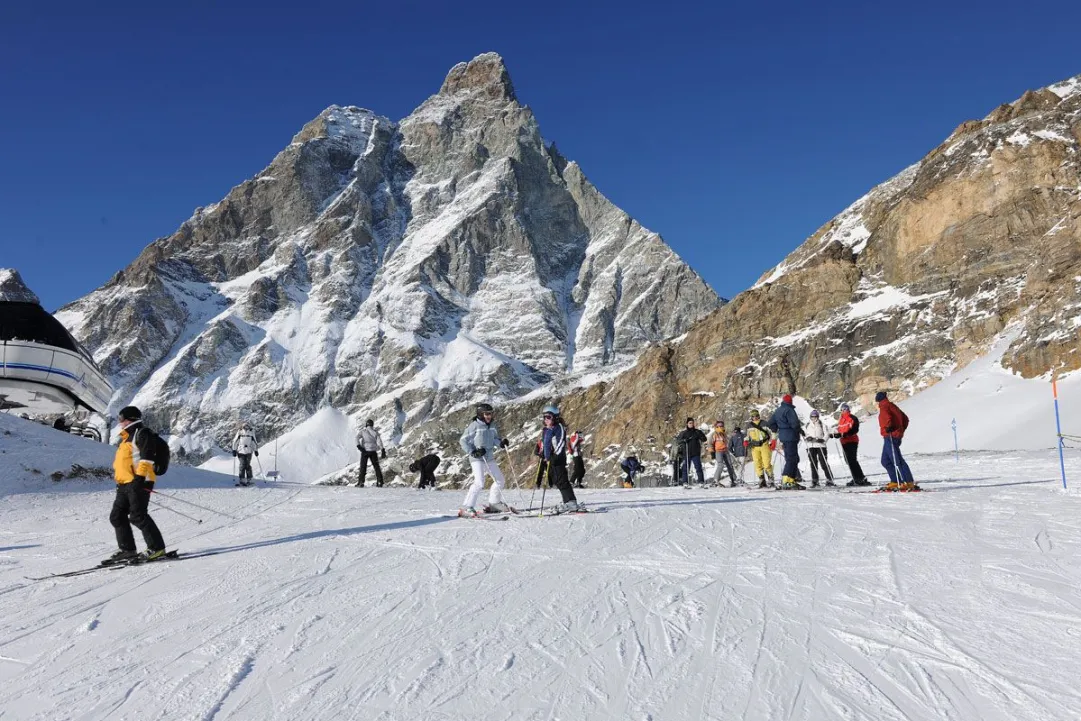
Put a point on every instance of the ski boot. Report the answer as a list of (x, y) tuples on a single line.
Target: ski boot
[(498, 508), (909, 487), (814, 483), (762, 482), (791, 484), (467, 512), (148, 555), (120, 556), (890, 487), (830, 484)]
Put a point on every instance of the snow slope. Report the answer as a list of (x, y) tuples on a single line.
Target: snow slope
[(339, 603)]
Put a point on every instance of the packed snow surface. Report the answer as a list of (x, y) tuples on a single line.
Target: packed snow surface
[(335, 603)]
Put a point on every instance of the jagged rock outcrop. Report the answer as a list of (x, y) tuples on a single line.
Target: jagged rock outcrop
[(979, 239), (395, 270), (13, 289)]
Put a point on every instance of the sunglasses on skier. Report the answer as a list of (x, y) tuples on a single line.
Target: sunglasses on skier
[(548, 416)]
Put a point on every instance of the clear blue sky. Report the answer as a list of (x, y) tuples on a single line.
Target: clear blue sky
[(734, 130)]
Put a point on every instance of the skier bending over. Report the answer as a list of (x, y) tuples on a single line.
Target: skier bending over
[(848, 429), (759, 440), (134, 472), (244, 445), (785, 423), (893, 423), (554, 459), (426, 465), (631, 466), (816, 450), (479, 441), (718, 444), (368, 442)]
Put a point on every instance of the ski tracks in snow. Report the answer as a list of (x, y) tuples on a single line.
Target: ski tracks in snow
[(720, 604)]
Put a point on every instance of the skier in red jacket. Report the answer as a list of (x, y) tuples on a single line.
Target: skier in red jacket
[(893, 422)]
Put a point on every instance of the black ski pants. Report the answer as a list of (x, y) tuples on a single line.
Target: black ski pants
[(556, 473), (850, 450), (372, 456), (129, 509), (819, 457), (245, 465), (427, 476), (579, 472)]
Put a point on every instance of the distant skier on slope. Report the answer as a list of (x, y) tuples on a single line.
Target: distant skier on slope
[(426, 466), (718, 447), (691, 439), (479, 441), (786, 424), (368, 443), (631, 466), (244, 446), (574, 448), (893, 423), (759, 440), (848, 429), (133, 468), (554, 459), (816, 449)]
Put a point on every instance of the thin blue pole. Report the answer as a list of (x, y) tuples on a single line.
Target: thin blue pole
[(956, 450), (1058, 428)]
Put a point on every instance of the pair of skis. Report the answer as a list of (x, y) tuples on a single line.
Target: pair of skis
[(112, 566)]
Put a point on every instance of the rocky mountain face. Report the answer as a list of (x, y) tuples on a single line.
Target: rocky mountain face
[(980, 240), (13, 289), (393, 270)]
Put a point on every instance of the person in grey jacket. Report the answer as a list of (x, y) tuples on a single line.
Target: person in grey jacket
[(368, 443), (479, 441)]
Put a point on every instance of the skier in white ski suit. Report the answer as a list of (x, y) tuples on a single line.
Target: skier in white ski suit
[(370, 445), (244, 445), (479, 441)]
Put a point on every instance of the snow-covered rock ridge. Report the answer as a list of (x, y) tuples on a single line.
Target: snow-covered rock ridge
[(392, 270), (977, 244)]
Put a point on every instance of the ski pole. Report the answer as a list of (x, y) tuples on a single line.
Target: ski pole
[(841, 451), (896, 467), (544, 488), (196, 505), (536, 482), (517, 480), (260, 464), (158, 504)]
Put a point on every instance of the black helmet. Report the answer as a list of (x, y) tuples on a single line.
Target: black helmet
[(130, 413), (369, 423), (484, 408)]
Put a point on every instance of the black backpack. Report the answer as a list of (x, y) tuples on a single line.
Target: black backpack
[(159, 452)]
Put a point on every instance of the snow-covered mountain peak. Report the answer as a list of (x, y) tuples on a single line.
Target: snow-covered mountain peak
[(388, 270), (13, 289), (1067, 88)]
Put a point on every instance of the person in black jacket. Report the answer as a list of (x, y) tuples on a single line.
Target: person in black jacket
[(426, 466), (691, 440)]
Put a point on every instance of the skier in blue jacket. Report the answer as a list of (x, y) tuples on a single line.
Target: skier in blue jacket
[(786, 424)]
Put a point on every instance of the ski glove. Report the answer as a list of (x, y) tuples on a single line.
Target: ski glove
[(479, 453), (835, 435), (504, 443), (234, 452), (384, 454), (257, 454), (358, 448), (773, 444), (713, 455)]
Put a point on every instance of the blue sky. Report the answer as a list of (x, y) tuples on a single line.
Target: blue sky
[(734, 130)]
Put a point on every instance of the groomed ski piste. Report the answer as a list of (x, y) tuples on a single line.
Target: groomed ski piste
[(324, 602)]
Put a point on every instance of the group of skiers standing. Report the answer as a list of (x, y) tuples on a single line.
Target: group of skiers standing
[(785, 427)]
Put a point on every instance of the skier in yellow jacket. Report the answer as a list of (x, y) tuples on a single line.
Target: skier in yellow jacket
[(134, 473), (760, 441)]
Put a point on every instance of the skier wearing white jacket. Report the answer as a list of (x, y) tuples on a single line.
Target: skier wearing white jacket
[(479, 441), (370, 445), (244, 445), (816, 449)]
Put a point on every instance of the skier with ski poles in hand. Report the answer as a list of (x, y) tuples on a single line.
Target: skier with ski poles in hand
[(244, 446), (892, 422), (848, 429), (816, 450), (553, 453), (133, 467), (718, 445), (479, 441)]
